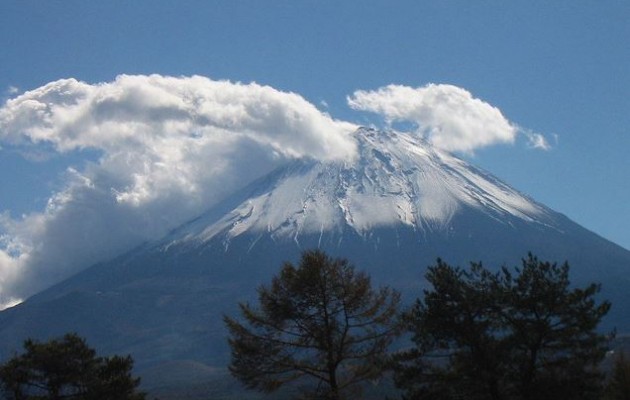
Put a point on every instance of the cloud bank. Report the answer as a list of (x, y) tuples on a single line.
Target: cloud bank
[(170, 147), (449, 117)]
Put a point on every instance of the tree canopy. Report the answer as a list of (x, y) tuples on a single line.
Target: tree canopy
[(67, 368), (514, 334), (320, 322)]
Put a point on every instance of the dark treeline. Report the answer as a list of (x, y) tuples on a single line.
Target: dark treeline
[(516, 334), (519, 333), (67, 368)]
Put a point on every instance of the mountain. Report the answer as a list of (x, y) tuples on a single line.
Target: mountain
[(392, 211), (396, 181)]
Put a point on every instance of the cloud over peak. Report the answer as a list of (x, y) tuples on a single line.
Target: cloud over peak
[(132, 110), (448, 116), (170, 147)]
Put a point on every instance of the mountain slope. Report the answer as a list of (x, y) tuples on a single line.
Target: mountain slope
[(392, 211), (397, 180)]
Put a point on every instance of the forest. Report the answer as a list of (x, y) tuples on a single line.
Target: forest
[(320, 330)]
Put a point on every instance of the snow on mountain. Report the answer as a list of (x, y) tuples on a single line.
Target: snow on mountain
[(392, 210), (396, 179)]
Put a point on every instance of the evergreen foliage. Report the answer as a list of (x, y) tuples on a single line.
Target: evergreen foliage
[(516, 334), (67, 368), (320, 322)]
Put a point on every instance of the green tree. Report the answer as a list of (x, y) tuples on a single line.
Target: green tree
[(514, 334), (320, 322), (67, 368)]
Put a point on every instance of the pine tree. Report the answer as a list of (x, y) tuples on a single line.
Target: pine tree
[(319, 322), (67, 368), (515, 334)]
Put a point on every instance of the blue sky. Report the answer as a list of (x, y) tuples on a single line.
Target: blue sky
[(557, 69)]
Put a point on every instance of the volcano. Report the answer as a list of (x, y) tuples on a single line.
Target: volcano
[(391, 210)]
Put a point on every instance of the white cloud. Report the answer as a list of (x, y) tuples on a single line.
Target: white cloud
[(449, 117), (169, 148), (536, 140), (138, 111)]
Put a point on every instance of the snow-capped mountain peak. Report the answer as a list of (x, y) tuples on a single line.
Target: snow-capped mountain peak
[(396, 179)]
